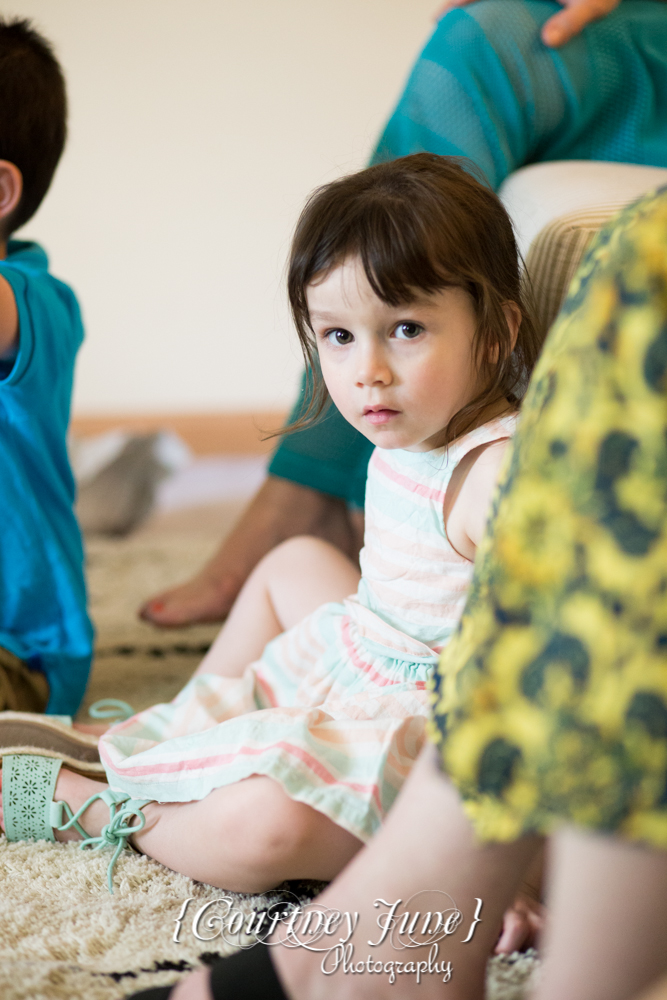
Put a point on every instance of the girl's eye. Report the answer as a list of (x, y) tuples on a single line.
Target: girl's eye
[(407, 331), (339, 337)]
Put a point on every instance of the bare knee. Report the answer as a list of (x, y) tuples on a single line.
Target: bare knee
[(274, 838), (259, 826), (304, 548)]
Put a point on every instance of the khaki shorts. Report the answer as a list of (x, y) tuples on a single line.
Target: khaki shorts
[(21, 689)]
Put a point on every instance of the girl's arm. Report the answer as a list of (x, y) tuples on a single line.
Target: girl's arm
[(469, 496)]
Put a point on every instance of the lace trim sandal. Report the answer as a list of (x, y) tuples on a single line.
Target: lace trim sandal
[(28, 787)]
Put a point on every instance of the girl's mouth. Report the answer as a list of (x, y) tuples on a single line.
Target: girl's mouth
[(379, 415)]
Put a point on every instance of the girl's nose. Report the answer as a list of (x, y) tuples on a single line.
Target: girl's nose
[(373, 369)]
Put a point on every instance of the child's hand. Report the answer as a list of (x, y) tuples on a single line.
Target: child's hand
[(565, 24), (9, 320), (522, 924)]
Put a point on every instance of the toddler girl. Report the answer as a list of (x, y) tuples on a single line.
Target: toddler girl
[(286, 749)]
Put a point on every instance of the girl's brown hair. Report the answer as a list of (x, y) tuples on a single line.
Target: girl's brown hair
[(418, 224)]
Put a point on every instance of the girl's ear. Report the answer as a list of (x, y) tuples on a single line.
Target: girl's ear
[(513, 317), (513, 320)]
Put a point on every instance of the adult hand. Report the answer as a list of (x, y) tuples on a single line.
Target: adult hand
[(564, 25), (523, 922)]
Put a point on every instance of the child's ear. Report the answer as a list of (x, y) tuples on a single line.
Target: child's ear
[(11, 187), (513, 320), (513, 317)]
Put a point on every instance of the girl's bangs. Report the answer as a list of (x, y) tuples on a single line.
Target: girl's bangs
[(398, 251)]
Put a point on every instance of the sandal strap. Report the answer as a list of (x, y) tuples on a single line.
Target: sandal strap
[(122, 809), (28, 786), (111, 708)]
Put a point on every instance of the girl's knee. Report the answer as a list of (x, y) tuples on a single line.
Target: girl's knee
[(265, 827), (302, 546)]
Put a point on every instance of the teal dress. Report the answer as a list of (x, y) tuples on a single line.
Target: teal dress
[(498, 95)]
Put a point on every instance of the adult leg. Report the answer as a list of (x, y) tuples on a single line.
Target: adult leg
[(280, 510), (657, 990), (607, 918), (426, 844), (288, 584)]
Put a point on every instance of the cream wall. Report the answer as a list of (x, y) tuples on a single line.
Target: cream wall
[(197, 129)]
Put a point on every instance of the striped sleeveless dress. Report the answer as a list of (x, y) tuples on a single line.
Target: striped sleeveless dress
[(335, 710)]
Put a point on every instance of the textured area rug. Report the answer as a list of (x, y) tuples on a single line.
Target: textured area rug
[(62, 935)]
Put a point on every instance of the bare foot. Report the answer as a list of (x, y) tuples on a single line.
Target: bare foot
[(205, 598), (280, 510)]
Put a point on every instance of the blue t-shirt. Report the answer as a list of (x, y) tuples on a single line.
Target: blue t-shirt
[(43, 616)]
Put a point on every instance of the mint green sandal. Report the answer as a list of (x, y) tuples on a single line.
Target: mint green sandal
[(28, 787)]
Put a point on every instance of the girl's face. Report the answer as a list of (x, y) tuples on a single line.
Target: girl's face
[(396, 373)]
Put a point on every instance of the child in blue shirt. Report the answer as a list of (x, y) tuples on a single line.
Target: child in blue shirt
[(45, 633)]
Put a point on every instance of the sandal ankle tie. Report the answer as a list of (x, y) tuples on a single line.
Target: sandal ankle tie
[(122, 809)]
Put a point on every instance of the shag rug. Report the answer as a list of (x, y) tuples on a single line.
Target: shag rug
[(62, 935)]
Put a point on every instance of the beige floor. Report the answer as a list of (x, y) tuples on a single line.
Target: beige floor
[(135, 661)]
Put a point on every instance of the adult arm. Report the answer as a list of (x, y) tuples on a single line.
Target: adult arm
[(425, 849)]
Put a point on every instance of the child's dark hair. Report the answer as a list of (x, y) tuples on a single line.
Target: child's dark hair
[(419, 224), (33, 114)]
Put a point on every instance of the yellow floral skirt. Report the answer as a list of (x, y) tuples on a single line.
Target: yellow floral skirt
[(550, 702)]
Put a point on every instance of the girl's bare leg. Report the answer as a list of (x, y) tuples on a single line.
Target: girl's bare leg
[(607, 923), (289, 583), (427, 843), (245, 837)]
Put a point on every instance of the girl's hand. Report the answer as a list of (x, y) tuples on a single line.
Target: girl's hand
[(562, 26)]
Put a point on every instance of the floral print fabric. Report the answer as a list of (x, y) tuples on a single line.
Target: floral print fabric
[(550, 702)]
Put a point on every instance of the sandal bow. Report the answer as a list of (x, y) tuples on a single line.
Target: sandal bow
[(30, 812)]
